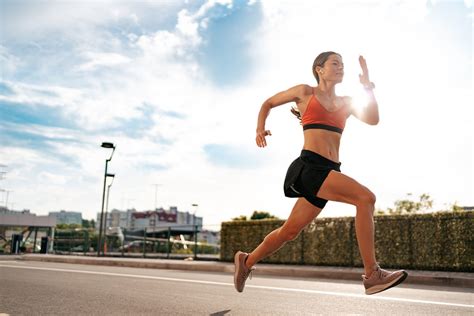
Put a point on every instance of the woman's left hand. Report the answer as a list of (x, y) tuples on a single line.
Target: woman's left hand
[(364, 77)]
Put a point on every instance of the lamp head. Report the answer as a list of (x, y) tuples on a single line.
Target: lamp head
[(108, 145)]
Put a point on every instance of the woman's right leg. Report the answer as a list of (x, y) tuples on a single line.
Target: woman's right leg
[(302, 214)]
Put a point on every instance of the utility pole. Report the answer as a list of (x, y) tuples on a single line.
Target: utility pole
[(2, 173), (156, 185), (6, 200), (2, 177)]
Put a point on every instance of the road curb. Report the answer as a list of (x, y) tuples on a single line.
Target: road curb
[(435, 278)]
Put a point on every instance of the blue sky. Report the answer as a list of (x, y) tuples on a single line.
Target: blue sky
[(177, 86)]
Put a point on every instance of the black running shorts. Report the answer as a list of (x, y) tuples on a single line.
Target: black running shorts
[(306, 175)]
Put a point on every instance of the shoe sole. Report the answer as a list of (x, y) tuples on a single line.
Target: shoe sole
[(383, 287), (237, 266)]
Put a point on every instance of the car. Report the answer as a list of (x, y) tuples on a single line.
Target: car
[(137, 246), (80, 248)]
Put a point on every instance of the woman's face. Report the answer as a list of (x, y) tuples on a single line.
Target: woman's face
[(333, 69)]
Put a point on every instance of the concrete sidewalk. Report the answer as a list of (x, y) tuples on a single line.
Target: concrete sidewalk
[(437, 278)]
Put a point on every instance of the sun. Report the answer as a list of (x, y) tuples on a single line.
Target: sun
[(358, 95), (360, 100)]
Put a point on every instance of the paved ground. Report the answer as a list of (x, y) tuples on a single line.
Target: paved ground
[(49, 288), (437, 278)]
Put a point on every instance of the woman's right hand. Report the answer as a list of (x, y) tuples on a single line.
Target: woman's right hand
[(260, 139)]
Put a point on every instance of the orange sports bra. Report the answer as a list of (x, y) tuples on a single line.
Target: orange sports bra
[(317, 117)]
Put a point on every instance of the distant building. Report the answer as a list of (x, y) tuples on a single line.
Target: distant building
[(133, 220), (161, 218), (25, 219), (209, 236), (118, 218), (65, 217), (4, 210)]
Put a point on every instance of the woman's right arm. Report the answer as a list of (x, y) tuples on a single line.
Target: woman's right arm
[(294, 94)]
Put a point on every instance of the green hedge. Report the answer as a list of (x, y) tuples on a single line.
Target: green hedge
[(437, 241), (66, 239)]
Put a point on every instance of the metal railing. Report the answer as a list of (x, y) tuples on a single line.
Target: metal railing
[(178, 242), (68, 241)]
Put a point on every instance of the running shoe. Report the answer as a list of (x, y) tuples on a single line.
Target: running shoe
[(381, 280), (241, 271)]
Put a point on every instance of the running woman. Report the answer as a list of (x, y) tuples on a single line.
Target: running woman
[(315, 177)]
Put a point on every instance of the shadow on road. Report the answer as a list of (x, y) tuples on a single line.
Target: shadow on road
[(220, 313)]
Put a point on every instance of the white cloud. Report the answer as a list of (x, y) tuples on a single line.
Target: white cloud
[(188, 27), (159, 68), (35, 94), (9, 62), (161, 47), (102, 59), (29, 19), (164, 75)]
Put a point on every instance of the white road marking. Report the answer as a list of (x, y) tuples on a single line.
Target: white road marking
[(272, 288)]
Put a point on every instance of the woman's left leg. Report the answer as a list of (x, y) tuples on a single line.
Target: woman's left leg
[(302, 214), (341, 188)]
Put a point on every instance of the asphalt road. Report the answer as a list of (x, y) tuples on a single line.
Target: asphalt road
[(41, 288)]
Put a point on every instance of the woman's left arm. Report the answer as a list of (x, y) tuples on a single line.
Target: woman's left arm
[(370, 113)]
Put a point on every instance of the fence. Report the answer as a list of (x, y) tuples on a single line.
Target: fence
[(185, 241), (71, 241)]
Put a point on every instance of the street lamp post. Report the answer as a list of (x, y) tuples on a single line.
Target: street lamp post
[(109, 175), (99, 242), (195, 229)]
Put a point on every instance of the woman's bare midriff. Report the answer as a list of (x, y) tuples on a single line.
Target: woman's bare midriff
[(323, 142)]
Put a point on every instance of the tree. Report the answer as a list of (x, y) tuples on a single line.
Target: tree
[(262, 215), (88, 223), (68, 226), (257, 215), (456, 208), (240, 218), (407, 206)]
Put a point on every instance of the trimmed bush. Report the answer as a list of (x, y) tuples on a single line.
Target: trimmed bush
[(436, 241)]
